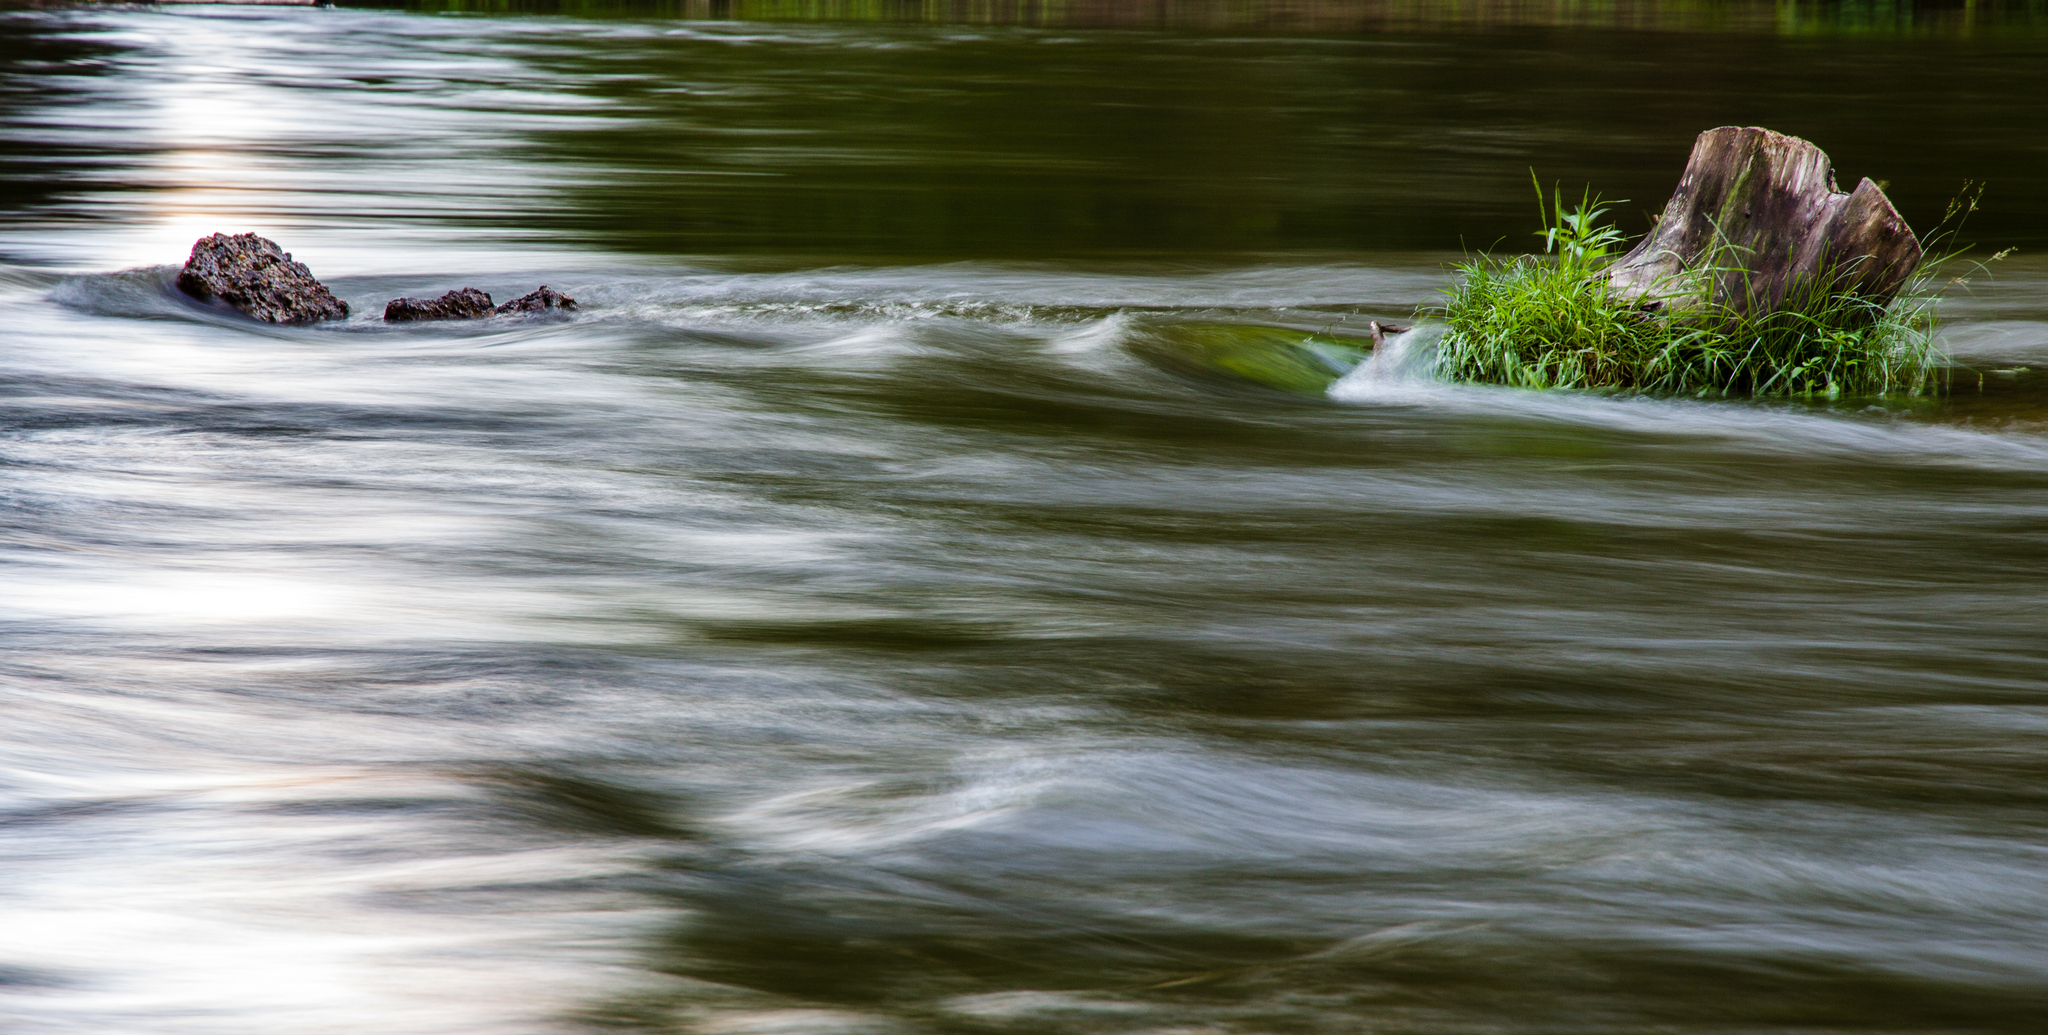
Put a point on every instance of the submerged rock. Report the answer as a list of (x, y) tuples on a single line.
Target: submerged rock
[(540, 300), (1291, 360), (255, 276), (466, 304)]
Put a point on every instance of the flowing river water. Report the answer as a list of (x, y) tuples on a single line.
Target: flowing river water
[(845, 623)]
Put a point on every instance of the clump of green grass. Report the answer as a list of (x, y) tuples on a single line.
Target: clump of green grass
[(1553, 321)]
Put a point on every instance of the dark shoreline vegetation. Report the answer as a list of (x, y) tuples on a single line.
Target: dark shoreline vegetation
[(1802, 17), (1557, 321)]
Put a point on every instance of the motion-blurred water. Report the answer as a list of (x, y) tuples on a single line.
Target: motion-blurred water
[(839, 625)]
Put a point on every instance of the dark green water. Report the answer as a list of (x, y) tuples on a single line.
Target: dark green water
[(852, 619)]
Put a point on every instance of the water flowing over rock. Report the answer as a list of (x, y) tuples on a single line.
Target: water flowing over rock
[(255, 276), (540, 300), (466, 304), (471, 304), (1764, 208)]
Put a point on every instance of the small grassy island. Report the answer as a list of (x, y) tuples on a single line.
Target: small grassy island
[(1760, 279), (1559, 320)]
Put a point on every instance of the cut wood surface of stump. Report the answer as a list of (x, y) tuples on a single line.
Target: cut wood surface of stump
[(1765, 208)]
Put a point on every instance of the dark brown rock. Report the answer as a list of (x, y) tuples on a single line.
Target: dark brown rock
[(466, 304), (254, 275), (1764, 207), (542, 299)]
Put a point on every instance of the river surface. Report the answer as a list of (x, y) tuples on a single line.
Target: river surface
[(842, 624)]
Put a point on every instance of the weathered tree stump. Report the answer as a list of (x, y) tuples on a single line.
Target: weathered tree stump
[(1764, 208), (254, 275)]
